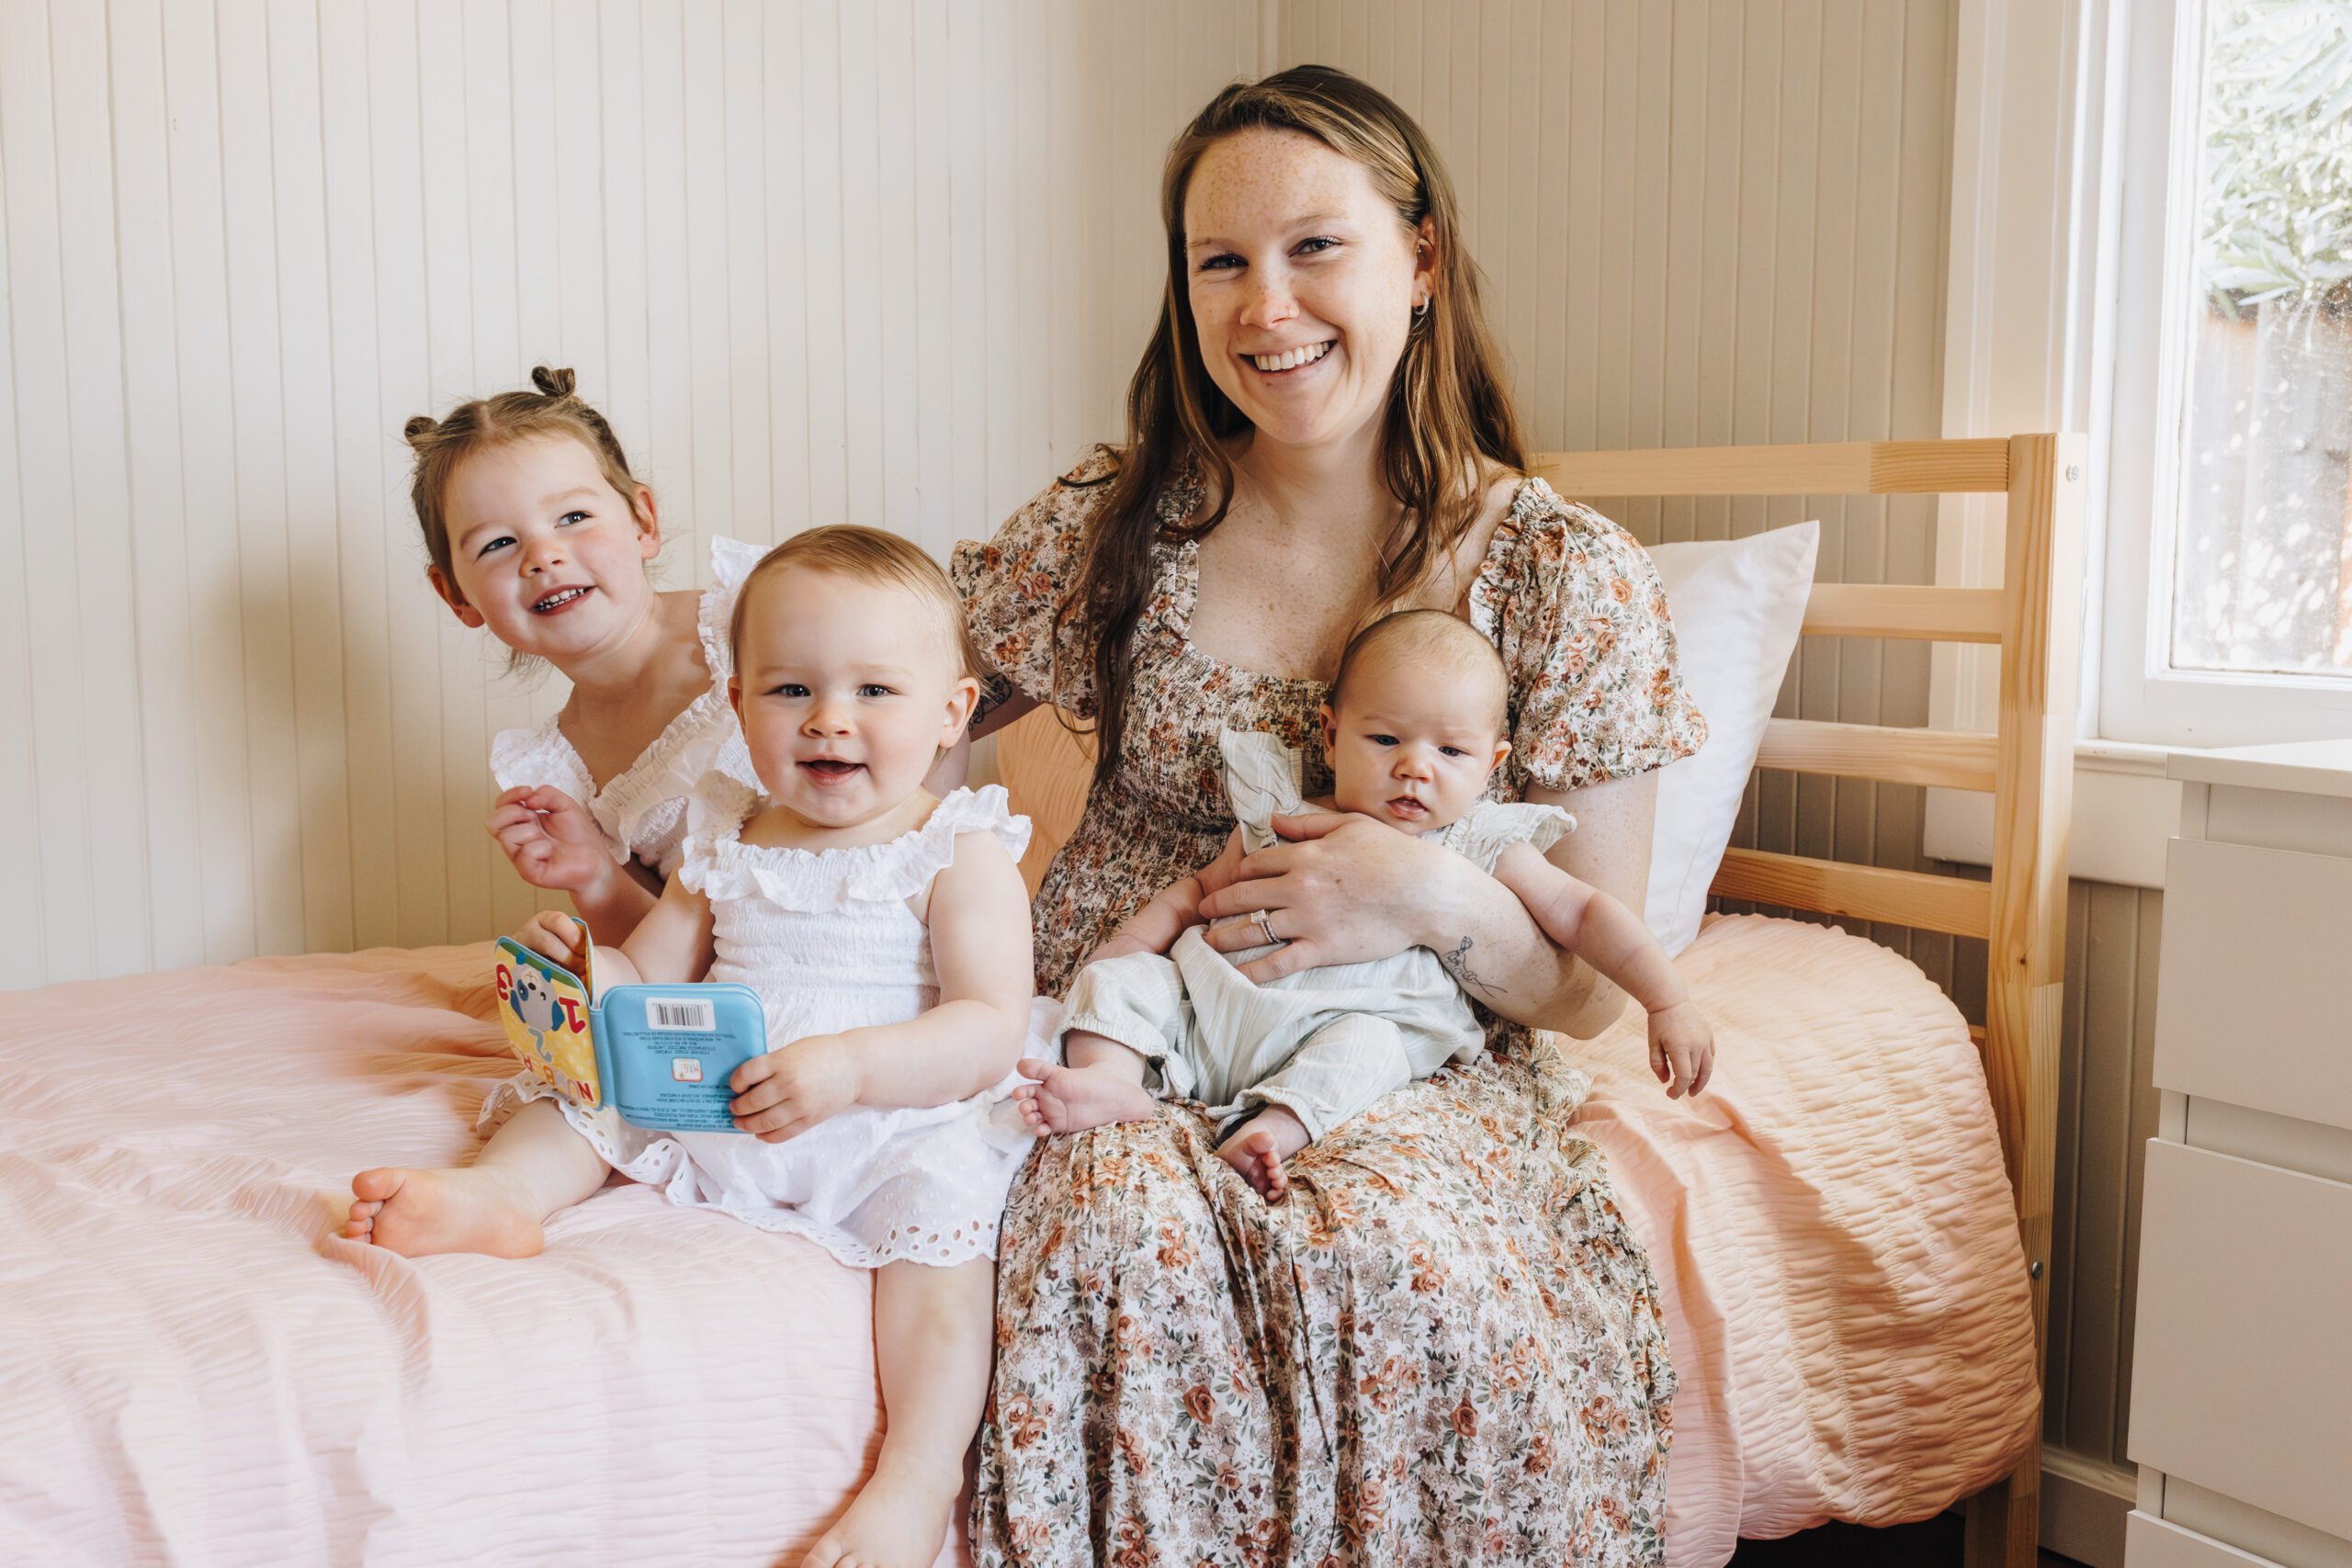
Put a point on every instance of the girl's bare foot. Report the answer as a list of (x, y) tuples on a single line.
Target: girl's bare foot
[(1071, 1099), (1257, 1150), (898, 1521), (416, 1212)]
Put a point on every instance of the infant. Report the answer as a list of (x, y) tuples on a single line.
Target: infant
[(1414, 728)]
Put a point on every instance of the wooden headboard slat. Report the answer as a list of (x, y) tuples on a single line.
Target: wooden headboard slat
[(1919, 614), (1916, 898), (1940, 759), (1849, 467)]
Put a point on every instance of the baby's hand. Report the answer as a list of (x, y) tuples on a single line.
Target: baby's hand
[(1682, 1049), (786, 1092), (552, 839), (551, 934)]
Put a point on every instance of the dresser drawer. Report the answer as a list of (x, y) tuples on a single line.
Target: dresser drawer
[(2149, 1542), (2242, 1370), (2254, 985)]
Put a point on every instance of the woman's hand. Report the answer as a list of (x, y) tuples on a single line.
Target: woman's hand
[(1343, 890), (553, 841), (786, 1092)]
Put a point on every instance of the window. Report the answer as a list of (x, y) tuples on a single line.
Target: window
[(2229, 610)]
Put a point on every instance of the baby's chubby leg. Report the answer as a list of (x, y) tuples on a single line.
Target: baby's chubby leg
[(531, 1167), (1115, 1006), (1102, 1084), (1338, 1070), (934, 1332)]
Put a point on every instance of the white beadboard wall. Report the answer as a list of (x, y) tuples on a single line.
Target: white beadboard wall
[(871, 260)]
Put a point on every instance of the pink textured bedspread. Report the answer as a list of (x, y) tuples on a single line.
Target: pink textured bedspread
[(1833, 1234), (192, 1367)]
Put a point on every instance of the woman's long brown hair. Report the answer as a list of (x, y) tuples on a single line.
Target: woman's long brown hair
[(1447, 405)]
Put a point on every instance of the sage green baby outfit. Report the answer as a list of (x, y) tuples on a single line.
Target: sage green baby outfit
[(1323, 1043)]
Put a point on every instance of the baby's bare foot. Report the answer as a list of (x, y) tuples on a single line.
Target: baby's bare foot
[(1257, 1150), (898, 1521), (1071, 1099), (416, 1212)]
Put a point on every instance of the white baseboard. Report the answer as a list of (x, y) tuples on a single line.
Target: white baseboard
[(2084, 1502)]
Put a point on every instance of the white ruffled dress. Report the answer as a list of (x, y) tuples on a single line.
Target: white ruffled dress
[(642, 809), (830, 942)]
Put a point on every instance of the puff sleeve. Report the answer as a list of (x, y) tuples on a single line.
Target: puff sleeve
[(1013, 585), (1574, 605), (1490, 826)]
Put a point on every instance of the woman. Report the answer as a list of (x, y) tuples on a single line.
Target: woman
[(1445, 1346)]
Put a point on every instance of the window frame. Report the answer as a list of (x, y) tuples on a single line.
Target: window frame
[(2141, 697)]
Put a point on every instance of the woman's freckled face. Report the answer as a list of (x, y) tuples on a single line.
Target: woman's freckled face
[(1301, 278)]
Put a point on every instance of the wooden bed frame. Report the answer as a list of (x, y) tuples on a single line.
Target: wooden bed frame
[(2027, 765)]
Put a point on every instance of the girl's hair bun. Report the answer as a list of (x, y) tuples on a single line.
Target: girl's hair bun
[(549, 407)]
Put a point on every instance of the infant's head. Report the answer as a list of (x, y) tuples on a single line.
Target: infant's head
[(1415, 720), (852, 670)]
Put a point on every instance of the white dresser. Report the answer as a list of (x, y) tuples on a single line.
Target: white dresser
[(2241, 1370)]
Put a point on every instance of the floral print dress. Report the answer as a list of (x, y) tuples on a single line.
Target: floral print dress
[(1445, 1347)]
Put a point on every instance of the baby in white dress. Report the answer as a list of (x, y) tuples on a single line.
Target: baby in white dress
[(1414, 728), (887, 935)]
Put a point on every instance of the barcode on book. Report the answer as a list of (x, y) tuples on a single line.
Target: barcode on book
[(680, 1015)]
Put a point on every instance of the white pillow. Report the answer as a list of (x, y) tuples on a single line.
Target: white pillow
[(1737, 605)]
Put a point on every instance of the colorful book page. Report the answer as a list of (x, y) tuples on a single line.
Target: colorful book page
[(543, 1008)]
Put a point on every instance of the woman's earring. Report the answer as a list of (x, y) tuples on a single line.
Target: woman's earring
[(1423, 308)]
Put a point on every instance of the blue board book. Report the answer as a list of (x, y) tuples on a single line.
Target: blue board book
[(662, 1055)]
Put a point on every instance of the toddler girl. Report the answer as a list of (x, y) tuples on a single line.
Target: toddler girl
[(887, 935), (539, 531), (1413, 729)]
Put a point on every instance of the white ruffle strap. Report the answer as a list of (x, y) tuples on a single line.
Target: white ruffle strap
[(528, 759), (716, 811), (719, 865), (1490, 826), (731, 561), (1261, 779)]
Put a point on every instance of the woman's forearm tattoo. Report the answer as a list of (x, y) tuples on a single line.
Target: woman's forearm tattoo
[(1457, 964)]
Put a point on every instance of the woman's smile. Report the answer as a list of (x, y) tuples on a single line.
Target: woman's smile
[(1287, 364)]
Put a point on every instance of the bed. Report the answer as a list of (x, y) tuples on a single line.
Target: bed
[(193, 1366)]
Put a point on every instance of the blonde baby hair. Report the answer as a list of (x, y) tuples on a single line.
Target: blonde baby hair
[(863, 555), (1436, 641)]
